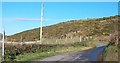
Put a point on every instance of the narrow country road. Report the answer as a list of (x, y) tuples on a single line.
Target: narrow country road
[(87, 55), (90, 55)]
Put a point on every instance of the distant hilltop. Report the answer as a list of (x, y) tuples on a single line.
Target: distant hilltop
[(74, 28)]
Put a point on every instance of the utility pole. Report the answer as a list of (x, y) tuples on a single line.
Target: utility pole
[(3, 41), (41, 19)]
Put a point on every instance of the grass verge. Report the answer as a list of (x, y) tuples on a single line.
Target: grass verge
[(0, 56), (111, 53), (37, 52), (58, 50)]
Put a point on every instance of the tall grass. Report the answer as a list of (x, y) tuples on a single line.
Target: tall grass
[(0, 56), (57, 50), (0, 52), (111, 53)]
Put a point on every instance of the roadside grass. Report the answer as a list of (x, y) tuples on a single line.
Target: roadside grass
[(111, 53), (78, 46), (61, 41), (0, 52), (38, 56), (35, 56), (34, 52), (0, 56), (105, 42)]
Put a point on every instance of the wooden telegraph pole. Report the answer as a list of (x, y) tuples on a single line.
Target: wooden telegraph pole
[(41, 19)]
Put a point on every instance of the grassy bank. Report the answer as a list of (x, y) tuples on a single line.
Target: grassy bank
[(0, 52), (111, 53), (0, 56), (39, 56), (37, 51)]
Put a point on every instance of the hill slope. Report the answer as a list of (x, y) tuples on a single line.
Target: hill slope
[(90, 27)]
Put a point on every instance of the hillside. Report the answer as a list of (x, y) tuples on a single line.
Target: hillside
[(0, 36), (74, 28)]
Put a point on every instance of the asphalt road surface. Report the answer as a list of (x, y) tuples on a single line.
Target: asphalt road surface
[(87, 55), (90, 55)]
